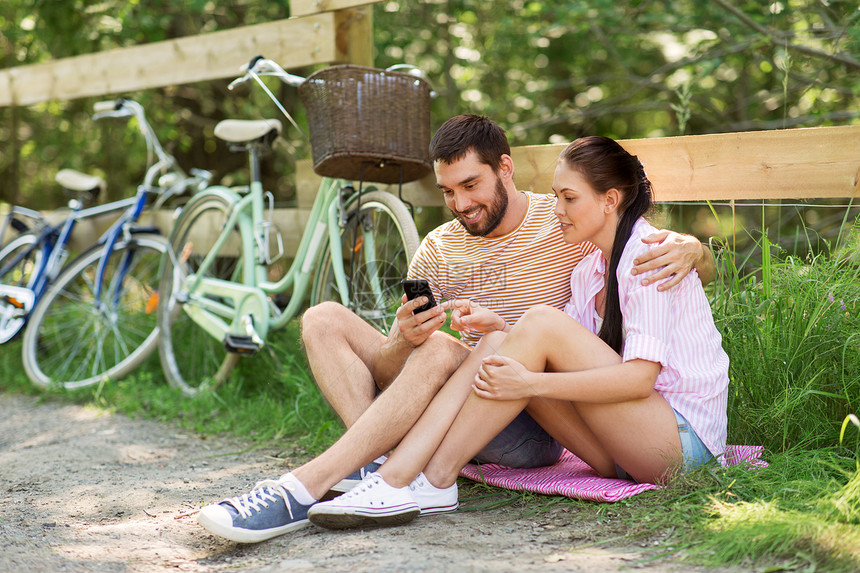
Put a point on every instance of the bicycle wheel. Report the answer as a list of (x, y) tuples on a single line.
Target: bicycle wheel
[(373, 278), (190, 357), (72, 340), (15, 304)]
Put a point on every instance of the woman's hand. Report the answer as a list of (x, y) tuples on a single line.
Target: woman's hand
[(469, 316), (502, 378)]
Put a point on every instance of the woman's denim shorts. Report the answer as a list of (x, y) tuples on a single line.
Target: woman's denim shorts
[(694, 450)]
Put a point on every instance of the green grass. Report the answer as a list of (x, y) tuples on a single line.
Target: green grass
[(792, 333), (792, 330), (270, 398), (799, 513)]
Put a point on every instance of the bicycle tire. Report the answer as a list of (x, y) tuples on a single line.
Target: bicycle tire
[(395, 241), (20, 275), (72, 343), (190, 357)]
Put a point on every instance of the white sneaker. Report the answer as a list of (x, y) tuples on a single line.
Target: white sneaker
[(357, 476), (431, 499), (371, 503)]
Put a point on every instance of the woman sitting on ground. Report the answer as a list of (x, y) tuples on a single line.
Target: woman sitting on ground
[(630, 379)]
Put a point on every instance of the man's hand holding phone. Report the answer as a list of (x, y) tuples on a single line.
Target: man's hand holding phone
[(419, 316)]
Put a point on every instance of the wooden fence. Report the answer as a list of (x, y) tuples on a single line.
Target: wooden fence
[(313, 35), (793, 163)]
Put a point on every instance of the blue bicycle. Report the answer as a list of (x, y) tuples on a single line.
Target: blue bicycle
[(30, 261), (95, 319)]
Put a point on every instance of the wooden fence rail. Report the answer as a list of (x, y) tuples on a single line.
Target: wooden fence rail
[(787, 164), (315, 37), (794, 163), (821, 162)]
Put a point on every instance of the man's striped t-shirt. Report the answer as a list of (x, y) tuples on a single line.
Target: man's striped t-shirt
[(508, 274)]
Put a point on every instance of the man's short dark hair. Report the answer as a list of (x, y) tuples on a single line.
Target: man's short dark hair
[(463, 133)]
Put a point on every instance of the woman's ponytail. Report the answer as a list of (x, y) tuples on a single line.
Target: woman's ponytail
[(606, 165)]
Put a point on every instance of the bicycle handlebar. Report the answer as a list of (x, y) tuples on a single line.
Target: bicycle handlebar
[(165, 162), (123, 107), (260, 66)]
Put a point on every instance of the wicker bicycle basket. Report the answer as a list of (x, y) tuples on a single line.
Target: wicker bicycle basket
[(370, 119)]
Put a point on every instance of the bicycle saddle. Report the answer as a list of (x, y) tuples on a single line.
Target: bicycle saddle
[(80, 182), (246, 131)]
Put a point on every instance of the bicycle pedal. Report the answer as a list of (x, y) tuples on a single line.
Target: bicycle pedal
[(239, 344)]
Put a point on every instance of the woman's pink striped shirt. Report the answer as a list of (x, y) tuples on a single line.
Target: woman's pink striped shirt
[(674, 327)]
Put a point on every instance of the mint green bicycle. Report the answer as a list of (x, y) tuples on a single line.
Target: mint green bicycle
[(216, 300)]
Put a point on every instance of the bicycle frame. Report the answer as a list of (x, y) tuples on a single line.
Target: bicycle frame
[(18, 226), (109, 239), (227, 308), (166, 163), (54, 251), (251, 298)]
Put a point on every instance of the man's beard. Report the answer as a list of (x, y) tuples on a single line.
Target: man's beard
[(493, 213)]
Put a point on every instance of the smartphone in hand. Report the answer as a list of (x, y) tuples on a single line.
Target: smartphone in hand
[(420, 287)]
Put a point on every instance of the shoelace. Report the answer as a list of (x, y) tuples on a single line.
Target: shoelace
[(365, 485), (417, 483), (264, 492)]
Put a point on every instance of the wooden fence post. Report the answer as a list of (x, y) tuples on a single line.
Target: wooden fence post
[(354, 36)]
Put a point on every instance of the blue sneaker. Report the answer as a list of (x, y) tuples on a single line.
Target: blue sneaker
[(357, 476), (267, 511)]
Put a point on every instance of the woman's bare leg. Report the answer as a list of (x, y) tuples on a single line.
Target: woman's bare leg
[(416, 448), (641, 435)]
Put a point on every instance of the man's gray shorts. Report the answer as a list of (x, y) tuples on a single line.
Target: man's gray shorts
[(522, 444)]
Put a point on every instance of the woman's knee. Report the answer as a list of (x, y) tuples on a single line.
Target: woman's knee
[(539, 318), (490, 342), (541, 313)]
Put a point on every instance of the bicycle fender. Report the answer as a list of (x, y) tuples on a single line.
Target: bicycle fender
[(219, 191)]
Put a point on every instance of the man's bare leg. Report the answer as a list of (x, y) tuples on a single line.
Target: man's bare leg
[(340, 348), (389, 417)]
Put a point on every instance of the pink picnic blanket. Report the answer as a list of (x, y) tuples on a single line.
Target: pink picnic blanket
[(572, 477)]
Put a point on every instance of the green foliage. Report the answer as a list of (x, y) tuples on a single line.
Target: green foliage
[(779, 517), (791, 512), (45, 138), (788, 515), (556, 70), (547, 71), (793, 335)]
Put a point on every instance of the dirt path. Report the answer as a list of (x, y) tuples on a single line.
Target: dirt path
[(86, 491)]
